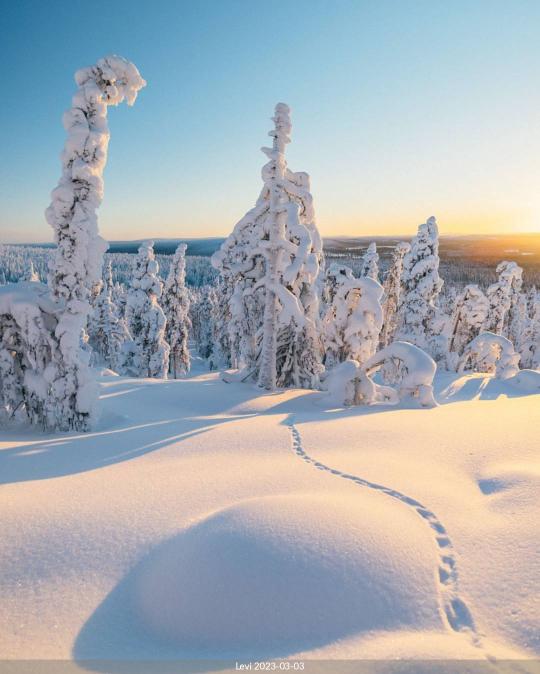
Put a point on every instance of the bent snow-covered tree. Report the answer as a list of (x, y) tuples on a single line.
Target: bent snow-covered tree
[(175, 304), (490, 353), (271, 263), (59, 391), (352, 384), (145, 317)]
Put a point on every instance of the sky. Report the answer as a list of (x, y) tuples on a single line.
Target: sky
[(400, 110)]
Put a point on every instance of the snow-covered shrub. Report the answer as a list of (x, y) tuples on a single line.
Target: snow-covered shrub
[(145, 317), (353, 317), (271, 263), (370, 262), (77, 261), (351, 383), (392, 293), (107, 331), (469, 315), (501, 296), (175, 304), (490, 353), (420, 320)]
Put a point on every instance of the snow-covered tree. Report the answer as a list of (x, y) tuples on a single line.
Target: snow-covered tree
[(31, 274), (530, 341), (353, 317), (202, 312), (469, 315), (352, 383), (392, 293), (501, 296), (145, 317), (272, 261), (107, 331), (370, 264), (490, 353), (220, 320), (420, 320), (28, 351), (72, 215), (175, 304)]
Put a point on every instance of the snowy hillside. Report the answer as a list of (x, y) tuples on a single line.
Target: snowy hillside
[(205, 519)]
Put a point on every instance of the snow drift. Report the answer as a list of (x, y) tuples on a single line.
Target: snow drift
[(291, 572)]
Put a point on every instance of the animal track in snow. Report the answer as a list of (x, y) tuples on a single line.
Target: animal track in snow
[(454, 609)]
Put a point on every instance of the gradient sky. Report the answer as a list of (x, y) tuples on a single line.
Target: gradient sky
[(401, 109)]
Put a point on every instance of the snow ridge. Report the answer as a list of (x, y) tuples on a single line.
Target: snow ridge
[(454, 608)]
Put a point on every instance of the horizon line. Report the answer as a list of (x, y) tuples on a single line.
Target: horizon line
[(332, 236)]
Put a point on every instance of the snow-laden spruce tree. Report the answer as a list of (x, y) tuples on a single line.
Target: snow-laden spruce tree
[(272, 261), (469, 315), (392, 293), (202, 317), (145, 317), (370, 264), (31, 274), (502, 295), (420, 321), (28, 351), (76, 266), (220, 321), (175, 304), (107, 331), (530, 341), (353, 317)]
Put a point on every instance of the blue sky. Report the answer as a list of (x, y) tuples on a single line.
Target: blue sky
[(401, 109)]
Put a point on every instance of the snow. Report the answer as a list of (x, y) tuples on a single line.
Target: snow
[(285, 571), (398, 524)]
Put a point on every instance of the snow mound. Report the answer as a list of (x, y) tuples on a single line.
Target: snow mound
[(278, 574), (513, 486), (527, 381)]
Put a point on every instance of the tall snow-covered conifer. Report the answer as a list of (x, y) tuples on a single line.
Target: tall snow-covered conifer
[(501, 296), (392, 293), (370, 266), (175, 303), (72, 215), (145, 317), (272, 261), (530, 342), (420, 320), (107, 331)]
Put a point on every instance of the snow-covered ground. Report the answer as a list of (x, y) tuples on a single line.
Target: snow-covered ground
[(205, 519)]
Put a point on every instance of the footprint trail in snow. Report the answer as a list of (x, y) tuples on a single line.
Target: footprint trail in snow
[(454, 608)]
